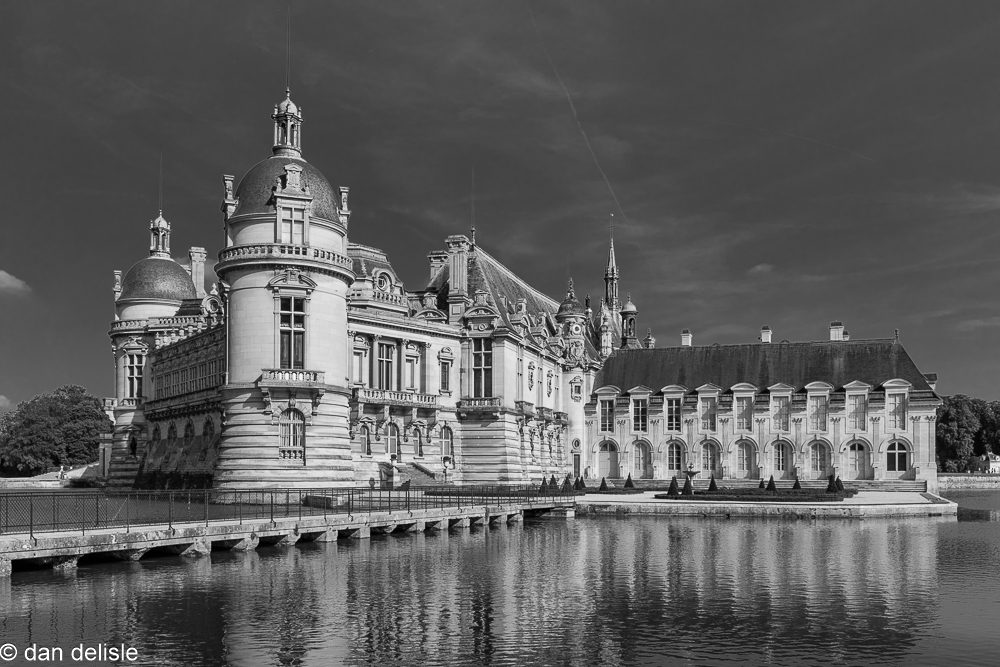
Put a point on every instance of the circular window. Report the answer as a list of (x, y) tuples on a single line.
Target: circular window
[(382, 282)]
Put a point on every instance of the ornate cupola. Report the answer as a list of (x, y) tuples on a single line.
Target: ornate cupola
[(628, 313), (159, 237), (287, 127)]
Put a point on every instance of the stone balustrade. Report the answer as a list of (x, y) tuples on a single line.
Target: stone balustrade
[(291, 376), (283, 251), (390, 397)]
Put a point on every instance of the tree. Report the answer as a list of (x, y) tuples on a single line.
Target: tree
[(958, 424), (63, 427), (673, 490)]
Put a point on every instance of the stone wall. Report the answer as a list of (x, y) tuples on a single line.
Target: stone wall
[(967, 481)]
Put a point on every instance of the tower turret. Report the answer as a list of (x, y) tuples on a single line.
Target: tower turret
[(611, 275), (628, 313), (287, 127)]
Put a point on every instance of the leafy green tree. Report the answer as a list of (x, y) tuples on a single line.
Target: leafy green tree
[(958, 424), (59, 428)]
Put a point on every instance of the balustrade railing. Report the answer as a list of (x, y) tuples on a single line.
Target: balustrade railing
[(87, 511), (270, 375), (283, 250), (484, 403), (392, 397)]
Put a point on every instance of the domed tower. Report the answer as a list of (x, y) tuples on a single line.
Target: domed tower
[(155, 286), (571, 317), (628, 313), (286, 273)]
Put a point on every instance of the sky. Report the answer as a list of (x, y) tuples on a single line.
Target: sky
[(778, 163)]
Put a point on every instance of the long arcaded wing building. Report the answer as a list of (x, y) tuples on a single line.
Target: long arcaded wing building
[(308, 364)]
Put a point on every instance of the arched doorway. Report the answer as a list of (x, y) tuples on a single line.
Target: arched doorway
[(392, 447), (897, 460), (710, 460), (675, 459), (819, 460), (783, 465), (859, 461), (607, 460), (643, 460), (746, 460)]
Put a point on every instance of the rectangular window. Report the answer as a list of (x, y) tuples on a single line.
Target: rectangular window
[(781, 411), (744, 413), (358, 367), (482, 367), (673, 406), (709, 410), (292, 331), (857, 412), (896, 405), (640, 415), (779, 457), (386, 357), (293, 223), (817, 412), (445, 376), (411, 373), (607, 415), (134, 364)]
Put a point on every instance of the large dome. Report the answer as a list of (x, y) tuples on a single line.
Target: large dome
[(157, 278), (257, 186)]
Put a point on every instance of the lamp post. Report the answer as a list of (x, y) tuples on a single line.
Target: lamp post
[(445, 460)]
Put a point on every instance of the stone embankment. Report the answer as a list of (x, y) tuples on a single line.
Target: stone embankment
[(967, 481)]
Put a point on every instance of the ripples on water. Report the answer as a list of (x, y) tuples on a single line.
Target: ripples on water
[(646, 591)]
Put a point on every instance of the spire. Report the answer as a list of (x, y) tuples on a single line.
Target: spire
[(159, 237), (287, 127), (611, 273)]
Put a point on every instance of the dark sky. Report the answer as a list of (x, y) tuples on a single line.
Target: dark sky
[(780, 163)]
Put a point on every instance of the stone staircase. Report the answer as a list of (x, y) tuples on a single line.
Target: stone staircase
[(898, 485), (415, 473), (122, 472)]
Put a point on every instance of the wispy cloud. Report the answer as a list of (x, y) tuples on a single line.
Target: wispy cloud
[(5, 403), (10, 284), (760, 269), (974, 324)]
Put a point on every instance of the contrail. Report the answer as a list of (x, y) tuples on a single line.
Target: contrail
[(576, 118)]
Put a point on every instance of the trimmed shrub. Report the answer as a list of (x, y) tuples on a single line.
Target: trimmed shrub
[(583, 484), (566, 487), (552, 482), (840, 485), (797, 486), (604, 485), (576, 484), (831, 486), (711, 484), (544, 488), (673, 490), (628, 482), (688, 487), (761, 485), (771, 486)]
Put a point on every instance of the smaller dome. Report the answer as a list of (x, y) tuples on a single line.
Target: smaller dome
[(287, 106), (570, 306), (157, 278), (629, 307)]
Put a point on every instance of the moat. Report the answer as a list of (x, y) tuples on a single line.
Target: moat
[(642, 590)]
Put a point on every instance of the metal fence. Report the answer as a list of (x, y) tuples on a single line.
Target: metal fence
[(43, 512)]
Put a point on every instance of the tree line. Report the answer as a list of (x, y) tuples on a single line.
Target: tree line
[(967, 430)]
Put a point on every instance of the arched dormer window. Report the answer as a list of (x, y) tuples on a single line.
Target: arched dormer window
[(292, 435)]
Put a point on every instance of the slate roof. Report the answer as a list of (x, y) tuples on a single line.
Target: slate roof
[(257, 186), (157, 278), (486, 273), (796, 364), (365, 260)]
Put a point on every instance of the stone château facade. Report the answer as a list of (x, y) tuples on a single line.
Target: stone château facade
[(308, 364)]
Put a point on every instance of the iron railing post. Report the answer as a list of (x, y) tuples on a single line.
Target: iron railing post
[(206, 507), (128, 526), (31, 515), (271, 495), (170, 510)]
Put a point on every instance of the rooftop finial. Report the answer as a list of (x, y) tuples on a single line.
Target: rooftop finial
[(160, 201), (472, 232), (569, 289)]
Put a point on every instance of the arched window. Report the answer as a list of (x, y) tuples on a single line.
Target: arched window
[(292, 435), (208, 430), (392, 441), (896, 457), (709, 457), (418, 444), (188, 432), (780, 457), (674, 456), (366, 440), (447, 443), (171, 432), (819, 458), (157, 436)]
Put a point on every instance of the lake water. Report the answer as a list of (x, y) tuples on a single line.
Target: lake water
[(648, 591)]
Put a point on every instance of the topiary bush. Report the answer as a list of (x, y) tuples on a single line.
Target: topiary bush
[(831, 485), (840, 485), (577, 484), (566, 487), (628, 482), (797, 486), (688, 488), (552, 482), (711, 484), (761, 485), (771, 485), (544, 488), (673, 490), (604, 484), (583, 484)]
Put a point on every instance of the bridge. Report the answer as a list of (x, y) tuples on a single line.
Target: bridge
[(57, 529)]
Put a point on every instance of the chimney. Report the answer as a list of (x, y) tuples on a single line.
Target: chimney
[(686, 338), (836, 331), (847, 335), (931, 380), (765, 334), (197, 257), (458, 276), (437, 259)]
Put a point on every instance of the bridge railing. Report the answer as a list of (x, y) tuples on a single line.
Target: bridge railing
[(83, 511)]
